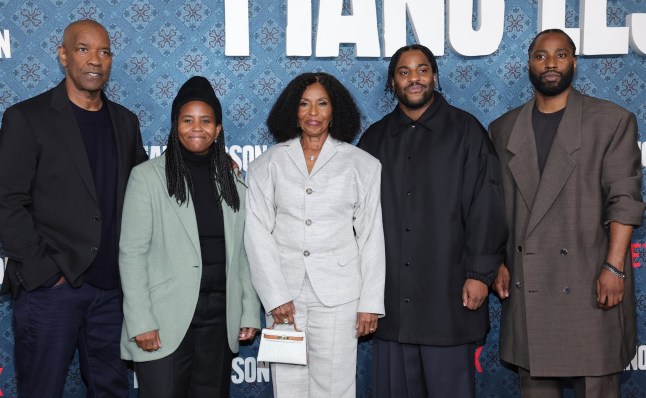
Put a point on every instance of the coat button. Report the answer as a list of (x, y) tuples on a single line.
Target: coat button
[(518, 285), (94, 249), (407, 229), (406, 300), (308, 222), (306, 253), (519, 248), (407, 264), (566, 290), (308, 191), (563, 252), (97, 218)]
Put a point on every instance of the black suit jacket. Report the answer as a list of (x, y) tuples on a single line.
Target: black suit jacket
[(49, 215)]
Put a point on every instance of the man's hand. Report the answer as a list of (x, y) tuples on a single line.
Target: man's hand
[(284, 314), (366, 323), (610, 290), (149, 341), (501, 283), (474, 294)]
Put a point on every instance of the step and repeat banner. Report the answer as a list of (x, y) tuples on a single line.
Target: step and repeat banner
[(250, 49)]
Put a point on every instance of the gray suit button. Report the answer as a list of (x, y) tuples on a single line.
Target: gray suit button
[(306, 253), (97, 218), (308, 222), (520, 249), (406, 300), (94, 249), (566, 290), (518, 285), (308, 191), (563, 252)]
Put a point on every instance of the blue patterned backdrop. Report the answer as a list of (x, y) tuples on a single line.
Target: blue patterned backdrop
[(158, 44)]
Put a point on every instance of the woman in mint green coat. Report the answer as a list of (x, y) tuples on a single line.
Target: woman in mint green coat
[(188, 298)]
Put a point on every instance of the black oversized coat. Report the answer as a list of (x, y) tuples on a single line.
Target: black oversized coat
[(444, 222)]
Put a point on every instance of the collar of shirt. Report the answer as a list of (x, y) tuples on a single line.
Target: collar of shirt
[(296, 141), (432, 119)]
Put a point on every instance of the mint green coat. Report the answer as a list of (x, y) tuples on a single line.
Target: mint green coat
[(161, 265)]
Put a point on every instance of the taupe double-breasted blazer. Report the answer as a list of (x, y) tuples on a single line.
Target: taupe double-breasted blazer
[(558, 224)]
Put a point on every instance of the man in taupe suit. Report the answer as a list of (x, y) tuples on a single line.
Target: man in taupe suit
[(571, 179)]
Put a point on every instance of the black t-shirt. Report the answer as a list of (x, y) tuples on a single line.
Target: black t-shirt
[(545, 126)]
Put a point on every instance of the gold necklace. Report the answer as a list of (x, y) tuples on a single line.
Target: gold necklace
[(310, 157)]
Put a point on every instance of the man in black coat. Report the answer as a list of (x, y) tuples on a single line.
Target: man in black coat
[(65, 158), (445, 233)]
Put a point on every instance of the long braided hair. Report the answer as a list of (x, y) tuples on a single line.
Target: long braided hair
[(178, 177)]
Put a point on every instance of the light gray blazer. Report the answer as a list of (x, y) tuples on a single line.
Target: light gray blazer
[(326, 224), (161, 265)]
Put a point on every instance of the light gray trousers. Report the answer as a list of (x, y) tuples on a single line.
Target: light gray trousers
[(331, 350)]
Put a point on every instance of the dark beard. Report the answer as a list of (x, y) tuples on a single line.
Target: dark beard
[(425, 100), (552, 90)]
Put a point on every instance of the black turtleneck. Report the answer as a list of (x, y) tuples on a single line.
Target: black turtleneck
[(210, 222)]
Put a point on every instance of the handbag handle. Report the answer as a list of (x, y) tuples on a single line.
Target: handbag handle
[(294, 324)]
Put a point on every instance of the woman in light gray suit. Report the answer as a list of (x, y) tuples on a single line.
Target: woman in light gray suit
[(188, 297), (314, 234)]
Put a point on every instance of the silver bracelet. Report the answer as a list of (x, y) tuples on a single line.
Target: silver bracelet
[(614, 270)]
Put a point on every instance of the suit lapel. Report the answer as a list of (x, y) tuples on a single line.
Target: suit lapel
[(68, 129), (295, 153), (120, 143), (560, 163), (327, 152), (524, 164), (230, 232), (185, 212)]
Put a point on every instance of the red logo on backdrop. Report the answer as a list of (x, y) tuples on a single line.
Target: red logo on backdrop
[(638, 252), (477, 359)]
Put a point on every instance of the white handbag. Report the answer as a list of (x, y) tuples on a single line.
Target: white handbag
[(283, 346)]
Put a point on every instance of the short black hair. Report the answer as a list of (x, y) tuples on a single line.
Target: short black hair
[(546, 31), (283, 118), (397, 55)]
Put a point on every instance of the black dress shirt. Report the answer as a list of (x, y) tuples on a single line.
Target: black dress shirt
[(444, 222)]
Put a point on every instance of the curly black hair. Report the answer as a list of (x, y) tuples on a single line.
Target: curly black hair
[(283, 118), (395, 59), (546, 31)]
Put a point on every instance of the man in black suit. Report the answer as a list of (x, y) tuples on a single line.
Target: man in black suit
[(65, 157)]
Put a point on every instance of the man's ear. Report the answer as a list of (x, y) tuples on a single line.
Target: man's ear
[(62, 55)]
